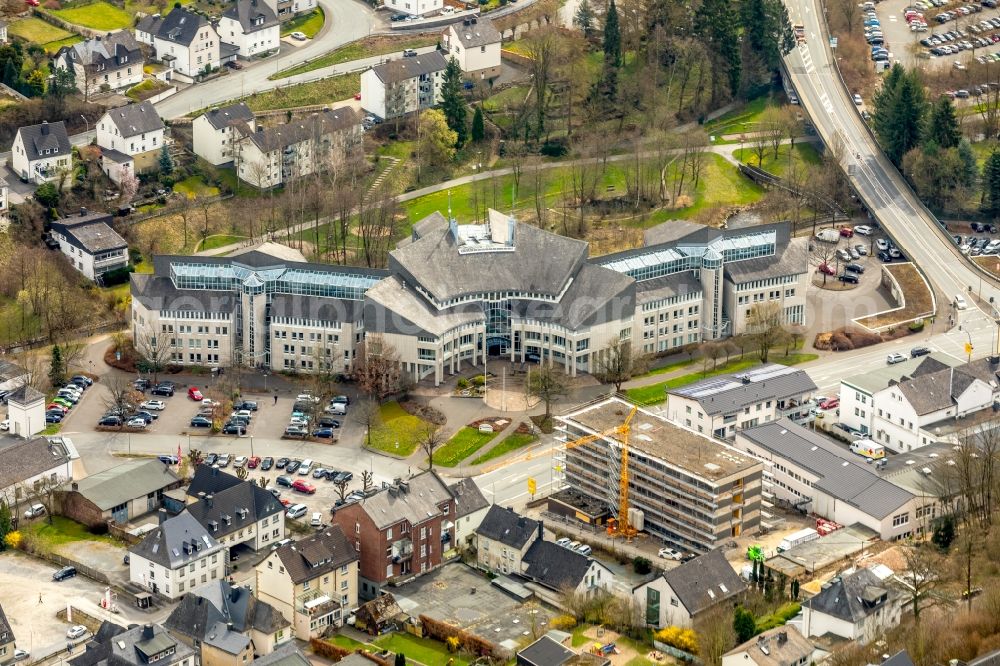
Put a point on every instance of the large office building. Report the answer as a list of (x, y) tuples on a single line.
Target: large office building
[(454, 294), (694, 492)]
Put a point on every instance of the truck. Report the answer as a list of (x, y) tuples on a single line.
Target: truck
[(797, 539), (828, 236), (868, 449)]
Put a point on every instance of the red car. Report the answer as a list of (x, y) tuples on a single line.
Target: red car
[(826, 268), (195, 394), (253, 462), (57, 406), (284, 502), (830, 403), (303, 487), (357, 96), (31, 3), (847, 232)]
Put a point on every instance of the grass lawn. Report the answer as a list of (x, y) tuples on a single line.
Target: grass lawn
[(363, 48), (38, 31), (743, 118), (96, 15), (398, 432), (670, 367), (194, 187), (804, 154), (308, 24), (424, 650), (146, 89), (346, 642), (502, 99), (219, 240), (63, 531), (465, 442), (402, 150), (12, 328), (324, 91), (53, 47), (514, 442)]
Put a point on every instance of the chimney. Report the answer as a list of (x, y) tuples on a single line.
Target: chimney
[(234, 595), (201, 495), (45, 127), (161, 515), (147, 631), (782, 637), (75, 486), (208, 501), (541, 530), (83, 212)]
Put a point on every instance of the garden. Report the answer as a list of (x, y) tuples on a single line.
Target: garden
[(396, 431), (99, 15)]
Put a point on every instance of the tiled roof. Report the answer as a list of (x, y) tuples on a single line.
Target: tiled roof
[(503, 525), (119, 484), (852, 597), (234, 508), (402, 69), (135, 119), (175, 542), (468, 497), (704, 581), (227, 116), (29, 458), (317, 554), (46, 136)]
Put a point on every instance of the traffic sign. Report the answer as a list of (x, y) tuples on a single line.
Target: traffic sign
[(532, 486), (968, 347)]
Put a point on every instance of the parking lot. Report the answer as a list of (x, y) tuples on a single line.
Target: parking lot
[(964, 34)]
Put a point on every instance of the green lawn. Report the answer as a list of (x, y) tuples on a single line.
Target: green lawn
[(194, 187), (63, 531), (219, 240), (424, 650), (398, 431), (363, 48), (465, 442), (502, 99), (333, 89), (308, 24), (743, 118), (670, 367), (52, 47), (804, 155), (513, 442), (38, 31), (96, 15), (346, 642), (16, 323)]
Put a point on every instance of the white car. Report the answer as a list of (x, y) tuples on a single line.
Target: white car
[(882, 244), (895, 358), (20, 654), (208, 402), (306, 397), (669, 554), (5, 425), (76, 631), (156, 405), (34, 511), (240, 461), (960, 302), (448, 10), (863, 229), (300, 36), (298, 421), (857, 100), (137, 422)]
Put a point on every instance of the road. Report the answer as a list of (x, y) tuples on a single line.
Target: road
[(876, 180)]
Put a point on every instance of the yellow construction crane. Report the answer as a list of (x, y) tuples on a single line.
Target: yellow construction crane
[(620, 527)]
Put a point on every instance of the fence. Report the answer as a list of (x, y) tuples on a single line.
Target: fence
[(43, 340), (119, 532), (61, 561)]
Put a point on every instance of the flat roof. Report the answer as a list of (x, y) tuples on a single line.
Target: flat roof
[(819, 553), (655, 436)]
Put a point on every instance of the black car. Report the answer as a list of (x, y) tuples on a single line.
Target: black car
[(211, 458), (293, 465), (854, 268), (848, 277), (976, 226), (885, 256), (285, 481), (83, 379), (233, 429), (281, 462), (343, 476), (141, 385), (52, 417), (162, 389), (246, 404), (266, 464), (64, 573), (340, 399), (917, 352), (397, 17), (201, 422), (110, 421), (148, 415), (145, 416), (327, 422)]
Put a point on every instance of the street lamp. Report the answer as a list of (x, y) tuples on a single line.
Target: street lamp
[(86, 121)]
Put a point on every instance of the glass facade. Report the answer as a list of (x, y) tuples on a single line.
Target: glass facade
[(276, 279)]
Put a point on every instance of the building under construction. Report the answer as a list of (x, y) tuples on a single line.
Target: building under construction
[(693, 492)]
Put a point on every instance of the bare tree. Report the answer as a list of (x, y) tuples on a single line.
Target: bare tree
[(369, 416), (341, 486), (548, 385), (367, 481), (715, 634), (263, 482), (154, 350), (379, 373), (122, 398), (242, 473), (710, 352), (618, 363), (765, 325), (921, 584), (430, 439)]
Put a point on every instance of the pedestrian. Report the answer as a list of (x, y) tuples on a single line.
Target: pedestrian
[(39, 597), (276, 398)]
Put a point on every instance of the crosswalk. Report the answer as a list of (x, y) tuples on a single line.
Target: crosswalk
[(810, 68)]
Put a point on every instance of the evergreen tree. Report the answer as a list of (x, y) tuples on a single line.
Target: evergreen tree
[(718, 26), (47, 195), (944, 532), (991, 185), (612, 38), (942, 126), (34, 85), (584, 18), (11, 62), (478, 125), (899, 111), (166, 162), (57, 369), (970, 169), (452, 102), (6, 524), (767, 31), (400, 659), (743, 624)]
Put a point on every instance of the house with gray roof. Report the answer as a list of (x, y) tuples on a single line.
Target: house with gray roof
[(857, 606), (681, 595), (28, 465), (131, 138), (227, 624), (503, 538), (141, 645), (110, 62), (547, 651), (781, 646), (565, 571), (7, 639), (118, 494), (40, 153), (183, 40), (808, 471), (251, 26), (288, 654), (242, 515), (90, 243), (475, 44), (470, 509), (12, 376), (403, 86), (179, 555), (724, 404), (215, 132)]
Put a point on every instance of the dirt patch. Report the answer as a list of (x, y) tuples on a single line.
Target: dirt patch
[(425, 412), (831, 283), (917, 296), (989, 263), (497, 424), (622, 655)]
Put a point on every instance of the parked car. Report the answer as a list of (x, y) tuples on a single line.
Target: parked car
[(296, 431), (563, 542), (409, 53), (83, 379), (830, 403), (669, 554), (917, 352), (894, 358), (157, 405), (826, 268), (328, 422), (223, 460), (882, 244), (50, 417), (323, 433), (301, 486), (300, 36), (76, 631), (137, 422), (281, 462), (201, 422), (885, 257), (21, 655), (195, 394), (854, 268), (163, 389), (34, 511), (211, 458), (292, 466), (240, 461), (253, 462), (233, 429), (343, 476), (340, 399), (64, 573), (285, 481), (297, 511), (248, 405), (267, 463), (113, 421), (585, 550)]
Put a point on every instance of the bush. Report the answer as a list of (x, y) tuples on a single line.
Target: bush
[(682, 639), (916, 326), (479, 380), (462, 383), (779, 617), (555, 148), (563, 622), (117, 276), (642, 565), (328, 650), (452, 644)]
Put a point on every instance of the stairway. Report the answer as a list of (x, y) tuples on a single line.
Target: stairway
[(393, 161)]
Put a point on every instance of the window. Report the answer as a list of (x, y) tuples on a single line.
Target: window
[(900, 519)]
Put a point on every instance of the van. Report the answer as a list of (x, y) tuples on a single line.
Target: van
[(868, 449), (306, 467), (585, 550), (279, 544), (317, 519), (297, 511), (337, 408)]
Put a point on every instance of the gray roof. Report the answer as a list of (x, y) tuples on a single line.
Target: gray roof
[(206, 613), (10, 370), (134, 647), (175, 542), (902, 658), (704, 581), (933, 391), (475, 32), (502, 524), (311, 127), (412, 311), (253, 15), (90, 232), (210, 480), (179, 26), (159, 293), (149, 23), (317, 554), (24, 395), (136, 119), (468, 497), (288, 654), (555, 567), (402, 69), (780, 646), (29, 458), (116, 49), (227, 116), (852, 596), (675, 230), (130, 480), (6, 633), (794, 260), (317, 308), (726, 394), (545, 652), (116, 156), (596, 295), (45, 136), (234, 509), (674, 285), (882, 376), (839, 474), (416, 503)]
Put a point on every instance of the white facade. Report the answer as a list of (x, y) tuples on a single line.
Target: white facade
[(403, 86), (217, 145), (91, 265), (191, 59), (205, 340), (249, 43), (415, 7), (479, 54), (465, 527), (110, 137), (173, 583), (657, 594), (868, 627), (39, 169)]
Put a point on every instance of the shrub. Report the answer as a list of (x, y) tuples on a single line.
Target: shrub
[(13, 539), (682, 639), (328, 650), (462, 383), (452, 643), (563, 622), (779, 617), (479, 380), (642, 565), (916, 326), (840, 342)]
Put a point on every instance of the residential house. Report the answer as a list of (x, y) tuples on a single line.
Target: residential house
[(268, 157), (92, 246), (470, 509), (33, 465), (244, 514), (118, 494), (227, 624), (251, 26), (131, 138), (722, 405), (781, 646), (810, 472), (176, 557), (289, 655), (139, 646), (417, 8), (112, 62), (475, 44), (209, 480), (401, 531), (12, 376), (287, 9), (215, 133), (566, 571), (26, 411), (40, 153), (503, 538), (403, 86), (921, 402), (183, 40), (312, 582), (379, 615), (858, 606), (7, 645), (684, 593), (547, 651)]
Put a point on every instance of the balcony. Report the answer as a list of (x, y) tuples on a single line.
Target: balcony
[(316, 604), (402, 551)]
